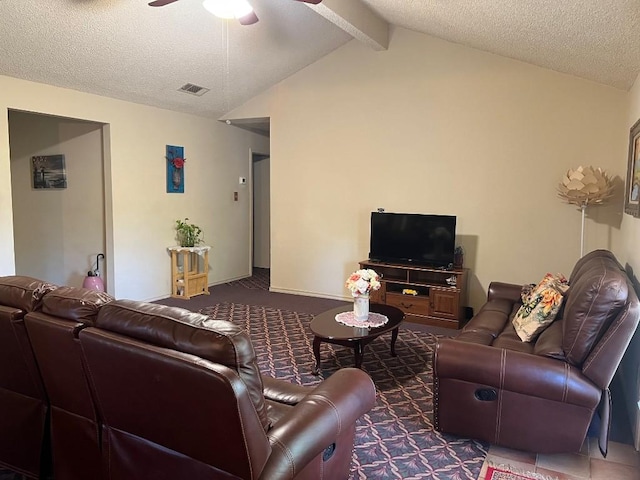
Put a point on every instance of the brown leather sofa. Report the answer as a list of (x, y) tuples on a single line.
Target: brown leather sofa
[(138, 390), (74, 424), (24, 407), (541, 395), (181, 396)]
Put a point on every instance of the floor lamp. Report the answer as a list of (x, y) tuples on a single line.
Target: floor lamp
[(585, 186)]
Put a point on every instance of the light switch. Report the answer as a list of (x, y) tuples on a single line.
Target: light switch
[(242, 180)]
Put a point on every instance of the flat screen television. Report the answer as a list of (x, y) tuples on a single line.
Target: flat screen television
[(412, 238)]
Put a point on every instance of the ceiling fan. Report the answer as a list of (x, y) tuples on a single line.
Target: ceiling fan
[(245, 19)]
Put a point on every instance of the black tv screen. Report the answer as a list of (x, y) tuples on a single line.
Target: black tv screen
[(413, 238)]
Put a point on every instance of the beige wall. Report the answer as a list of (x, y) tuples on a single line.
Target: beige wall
[(140, 214), (58, 233), (628, 252), (434, 127)]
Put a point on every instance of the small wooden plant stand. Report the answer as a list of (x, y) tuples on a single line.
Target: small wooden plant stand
[(189, 271)]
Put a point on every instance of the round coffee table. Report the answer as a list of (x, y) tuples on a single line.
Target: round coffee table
[(325, 328)]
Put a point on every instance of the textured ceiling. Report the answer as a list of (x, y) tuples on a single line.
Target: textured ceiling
[(594, 39), (128, 50)]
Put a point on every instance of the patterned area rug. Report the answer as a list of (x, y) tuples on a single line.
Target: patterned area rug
[(259, 280), (396, 439), (508, 473)]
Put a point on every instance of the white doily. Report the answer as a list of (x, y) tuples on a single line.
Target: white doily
[(349, 319), (200, 249)]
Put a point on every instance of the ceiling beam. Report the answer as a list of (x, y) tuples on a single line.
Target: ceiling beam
[(357, 19)]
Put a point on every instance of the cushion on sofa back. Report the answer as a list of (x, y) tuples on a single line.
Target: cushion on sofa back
[(586, 260), (540, 306), (598, 291), (178, 329), (78, 304), (22, 292)]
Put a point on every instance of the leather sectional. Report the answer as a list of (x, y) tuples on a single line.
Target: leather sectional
[(92, 387), (542, 395)]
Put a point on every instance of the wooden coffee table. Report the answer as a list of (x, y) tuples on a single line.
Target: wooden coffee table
[(325, 328)]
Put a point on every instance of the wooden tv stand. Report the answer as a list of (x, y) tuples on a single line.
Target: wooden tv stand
[(437, 303)]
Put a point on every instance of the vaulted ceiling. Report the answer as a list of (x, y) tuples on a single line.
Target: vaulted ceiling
[(125, 49)]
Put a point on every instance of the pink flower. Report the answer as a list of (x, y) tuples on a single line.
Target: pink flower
[(178, 162), (363, 281)]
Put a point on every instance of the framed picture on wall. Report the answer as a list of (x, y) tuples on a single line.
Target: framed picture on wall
[(48, 171), (175, 169), (632, 198)]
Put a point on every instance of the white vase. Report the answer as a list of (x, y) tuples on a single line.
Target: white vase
[(361, 307), (176, 178)]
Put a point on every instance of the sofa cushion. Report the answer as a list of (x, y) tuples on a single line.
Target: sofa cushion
[(540, 307), (510, 340), (78, 304), (599, 290), (586, 261), (22, 292), (178, 329), (549, 342), (489, 322)]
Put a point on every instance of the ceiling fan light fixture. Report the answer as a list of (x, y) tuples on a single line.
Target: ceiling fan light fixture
[(228, 8)]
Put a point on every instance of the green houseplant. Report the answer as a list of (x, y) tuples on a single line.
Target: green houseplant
[(188, 234)]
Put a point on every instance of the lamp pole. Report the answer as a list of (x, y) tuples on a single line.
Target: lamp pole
[(584, 209)]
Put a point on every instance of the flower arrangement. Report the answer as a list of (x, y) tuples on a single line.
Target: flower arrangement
[(188, 233), (177, 162), (363, 281)]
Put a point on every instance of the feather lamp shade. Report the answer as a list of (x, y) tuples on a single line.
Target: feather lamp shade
[(585, 186)]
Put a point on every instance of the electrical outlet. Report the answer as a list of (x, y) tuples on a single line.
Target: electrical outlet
[(235, 196)]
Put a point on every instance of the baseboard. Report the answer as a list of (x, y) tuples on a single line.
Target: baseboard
[(636, 432), (311, 294), (213, 284), (228, 280)]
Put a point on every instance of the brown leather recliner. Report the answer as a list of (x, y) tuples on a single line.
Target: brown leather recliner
[(538, 396), (24, 407), (53, 332), (180, 396)]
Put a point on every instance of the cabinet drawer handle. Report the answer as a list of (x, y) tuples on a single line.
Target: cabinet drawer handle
[(406, 305)]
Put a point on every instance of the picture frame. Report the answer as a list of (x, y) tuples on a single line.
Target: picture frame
[(48, 172), (175, 169), (632, 193)]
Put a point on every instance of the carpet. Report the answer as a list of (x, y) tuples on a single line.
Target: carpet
[(396, 439), (507, 473), (260, 279)]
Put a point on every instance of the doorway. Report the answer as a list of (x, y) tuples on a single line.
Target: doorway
[(261, 212), (58, 232)]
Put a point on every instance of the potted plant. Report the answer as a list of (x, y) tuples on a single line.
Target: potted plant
[(188, 234)]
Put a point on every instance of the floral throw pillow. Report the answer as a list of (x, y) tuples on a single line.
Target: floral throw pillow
[(526, 291), (540, 307)]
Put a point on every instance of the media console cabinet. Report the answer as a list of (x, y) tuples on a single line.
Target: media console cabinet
[(441, 294)]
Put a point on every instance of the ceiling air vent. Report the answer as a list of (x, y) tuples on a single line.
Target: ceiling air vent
[(193, 89)]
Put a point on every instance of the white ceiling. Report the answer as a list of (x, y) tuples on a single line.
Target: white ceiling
[(128, 50)]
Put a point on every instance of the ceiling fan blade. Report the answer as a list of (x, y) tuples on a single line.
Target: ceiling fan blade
[(315, 2), (161, 3), (248, 19)]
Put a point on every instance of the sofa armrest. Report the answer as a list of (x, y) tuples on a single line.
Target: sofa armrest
[(284, 392), (504, 291), (317, 420), (513, 371)]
